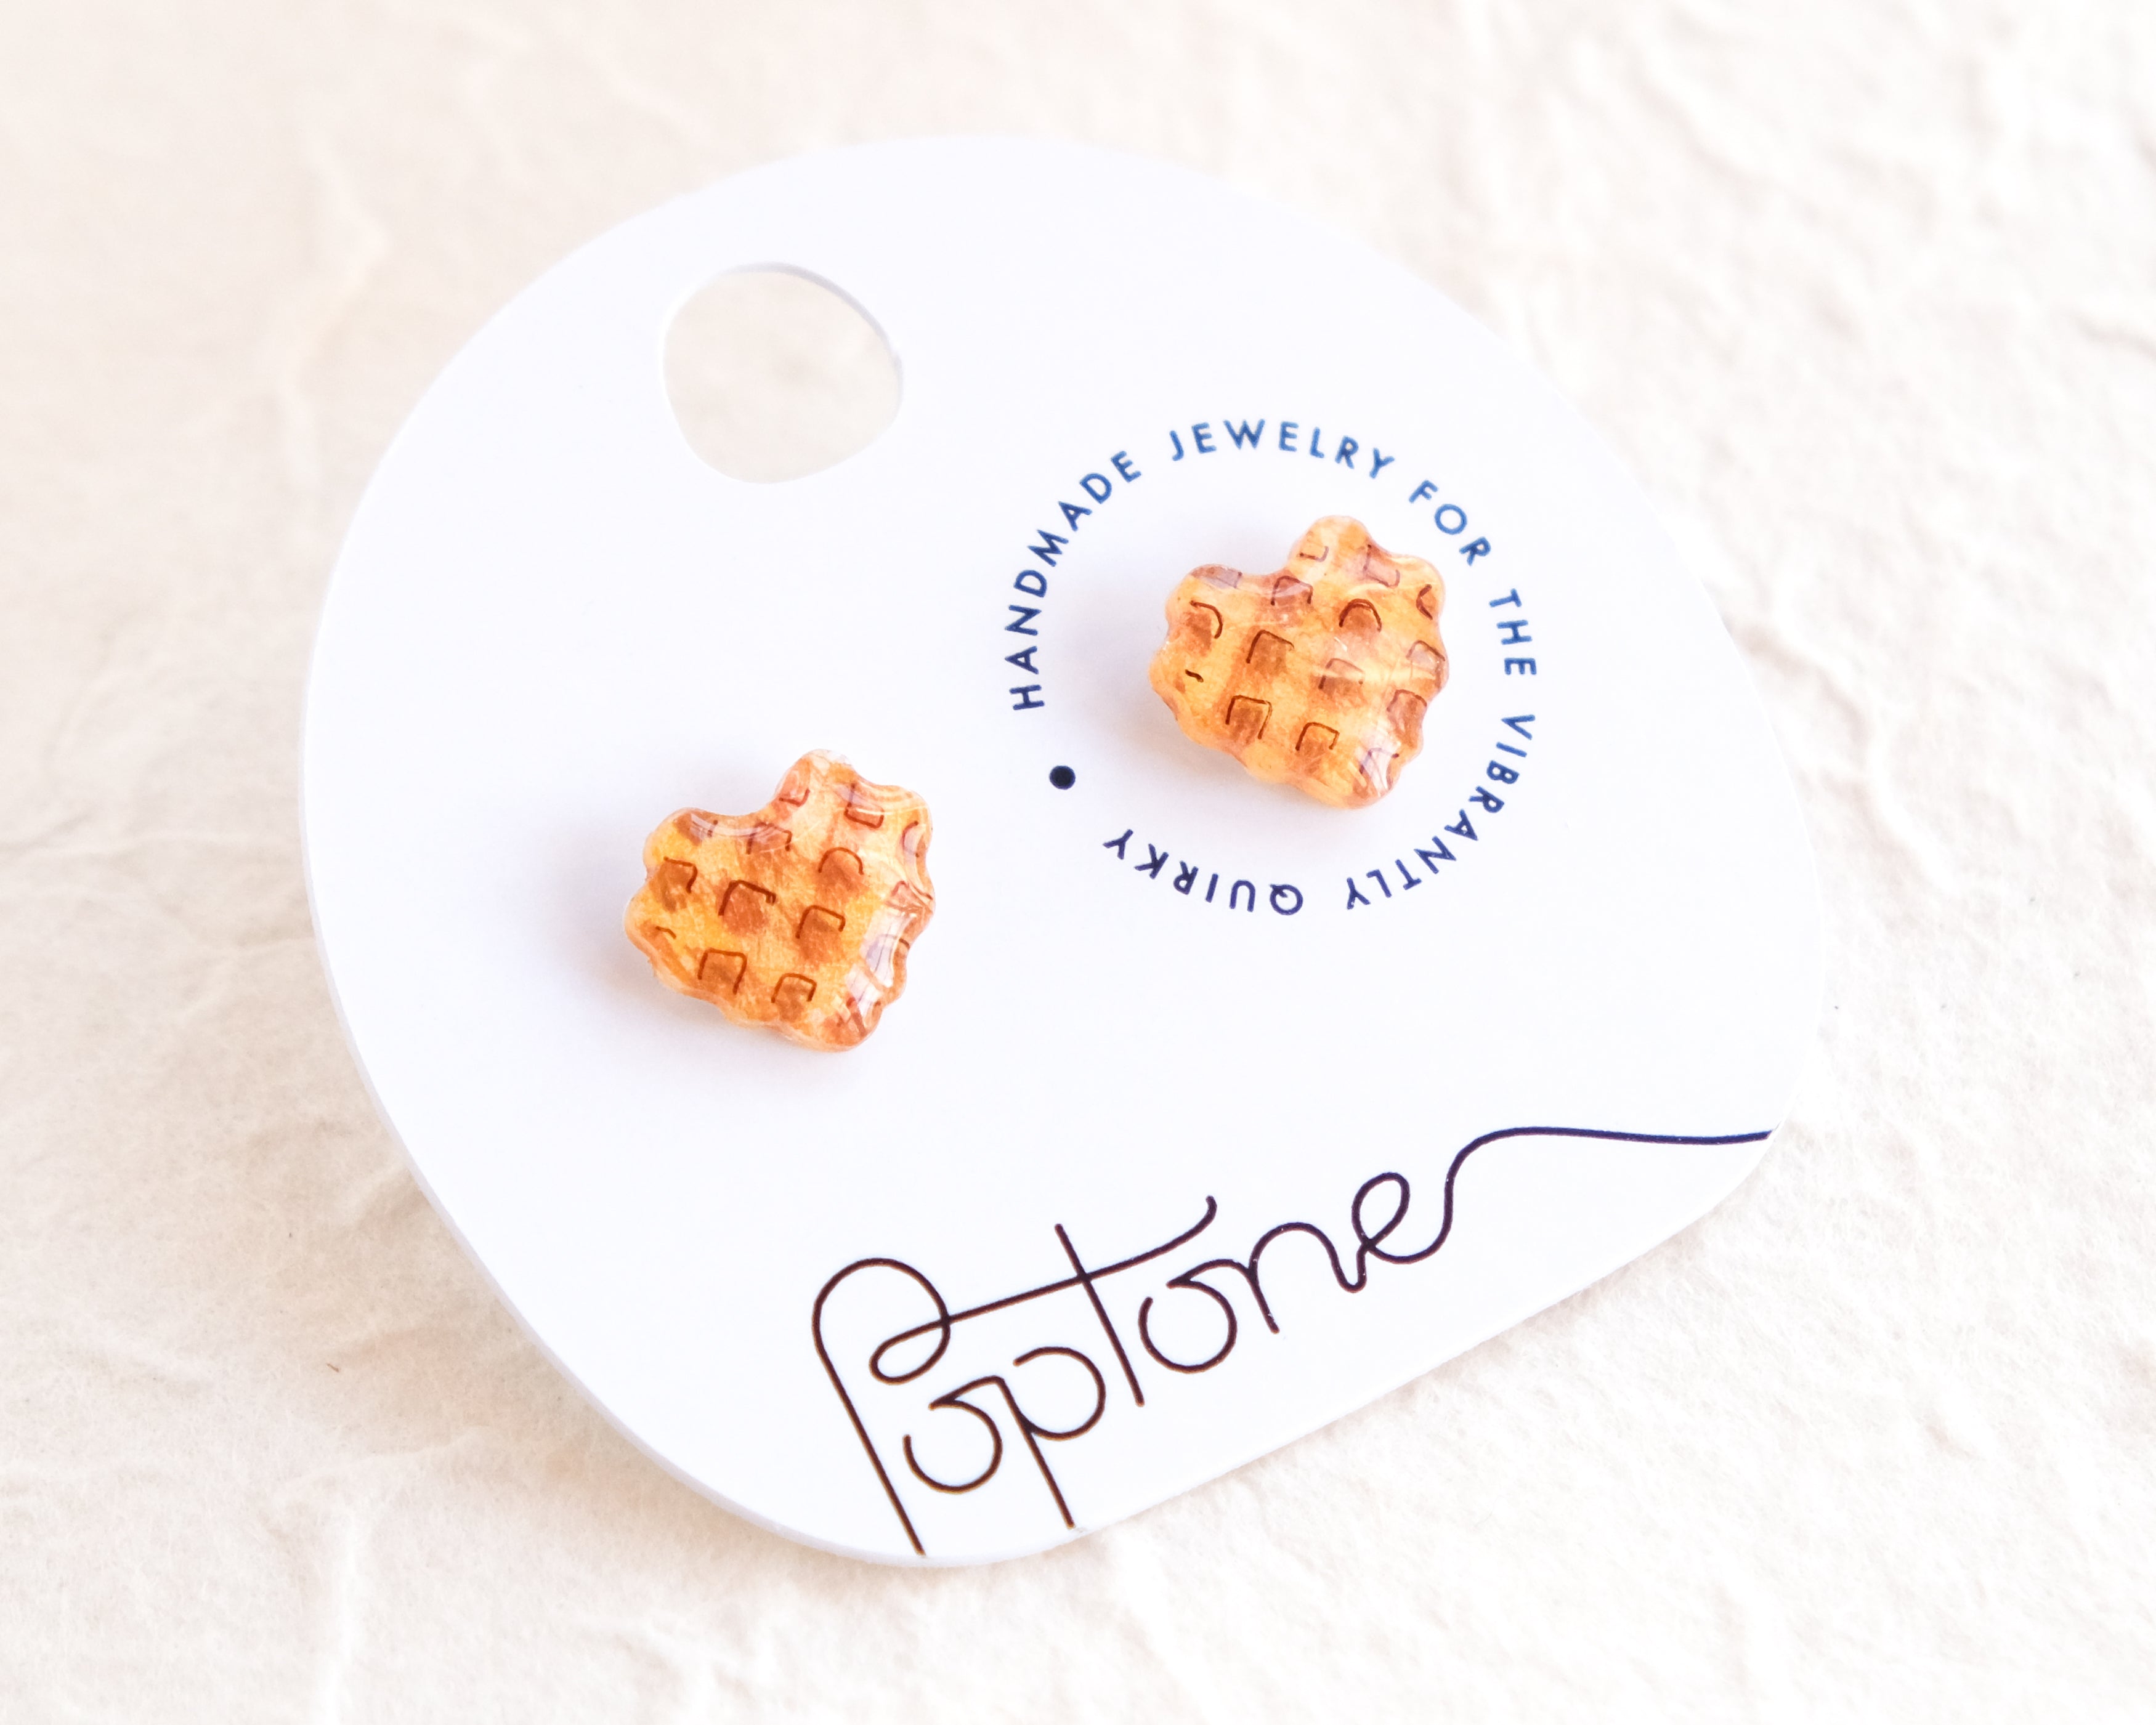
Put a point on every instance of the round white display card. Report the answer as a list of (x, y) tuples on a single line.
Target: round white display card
[(1210, 1112)]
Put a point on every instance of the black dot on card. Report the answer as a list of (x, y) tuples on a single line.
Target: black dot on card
[(1061, 777)]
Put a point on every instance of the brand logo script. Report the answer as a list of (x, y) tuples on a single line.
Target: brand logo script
[(1378, 1216)]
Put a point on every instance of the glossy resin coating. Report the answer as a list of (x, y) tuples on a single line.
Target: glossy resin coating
[(798, 916), (1317, 676)]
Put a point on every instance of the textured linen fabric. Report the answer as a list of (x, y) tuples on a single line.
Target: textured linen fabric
[(1865, 294)]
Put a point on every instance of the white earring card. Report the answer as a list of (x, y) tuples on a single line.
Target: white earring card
[(1210, 1112)]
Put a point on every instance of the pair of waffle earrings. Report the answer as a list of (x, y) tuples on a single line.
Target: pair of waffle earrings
[(800, 916)]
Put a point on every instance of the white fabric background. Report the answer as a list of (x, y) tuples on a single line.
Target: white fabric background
[(1866, 294)]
